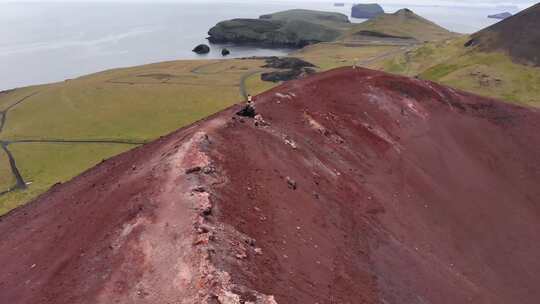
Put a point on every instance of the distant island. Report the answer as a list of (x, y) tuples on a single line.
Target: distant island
[(500, 15), (293, 28), (298, 28), (339, 4), (366, 11)]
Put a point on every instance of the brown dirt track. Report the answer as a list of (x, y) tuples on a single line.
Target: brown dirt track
[(406, 192)]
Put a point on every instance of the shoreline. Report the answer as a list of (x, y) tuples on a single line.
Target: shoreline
[(230, 57)]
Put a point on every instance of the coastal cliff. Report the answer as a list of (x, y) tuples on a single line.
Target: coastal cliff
[(293, 28)]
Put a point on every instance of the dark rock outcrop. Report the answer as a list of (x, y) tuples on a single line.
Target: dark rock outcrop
[(225, 52), (291, 68), (202, 49), (286, 75), (294, 28), (366, 11), (470, 43), (379, 35), (287, 63), (500, 16)]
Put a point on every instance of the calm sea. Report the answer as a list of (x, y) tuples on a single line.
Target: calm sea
[(47, 42)]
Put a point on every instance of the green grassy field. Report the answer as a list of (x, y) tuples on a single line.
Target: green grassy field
[(331, 55), (44, 165), (133, 104), (488, 74)]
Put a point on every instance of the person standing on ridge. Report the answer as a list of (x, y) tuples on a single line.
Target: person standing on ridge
[(249, 108)]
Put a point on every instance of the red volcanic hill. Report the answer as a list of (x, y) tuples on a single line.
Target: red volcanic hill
[(363, 188)]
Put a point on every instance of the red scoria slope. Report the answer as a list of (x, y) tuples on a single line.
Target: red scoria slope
[(363, 188)]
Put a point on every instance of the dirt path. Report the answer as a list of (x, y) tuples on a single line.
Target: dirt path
[(197, 70), (243, 90), (20, 183), (3, 113)]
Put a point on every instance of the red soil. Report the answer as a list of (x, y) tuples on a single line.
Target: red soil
[(406, 192)]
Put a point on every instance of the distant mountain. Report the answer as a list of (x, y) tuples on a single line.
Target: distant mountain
[(500, 15), (292, 28), (366, 11), (518, 36), (403, 24)]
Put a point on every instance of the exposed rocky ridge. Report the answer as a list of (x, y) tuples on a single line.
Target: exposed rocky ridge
[(290, 68), (362, 187), (294, 28), (518, 36), (287, 63), (286, 75)]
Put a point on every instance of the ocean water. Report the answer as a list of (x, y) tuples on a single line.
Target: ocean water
[(48, 42)]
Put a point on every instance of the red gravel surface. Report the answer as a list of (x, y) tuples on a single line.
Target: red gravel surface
[(360, 187)]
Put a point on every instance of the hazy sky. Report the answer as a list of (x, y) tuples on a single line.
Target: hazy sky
[(519, 3)]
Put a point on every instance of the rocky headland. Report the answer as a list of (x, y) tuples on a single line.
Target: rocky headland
[(291, 29)]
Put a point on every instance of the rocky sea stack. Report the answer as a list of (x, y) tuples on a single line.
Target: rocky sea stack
[(366, 11), (293, 28), (202, 49)]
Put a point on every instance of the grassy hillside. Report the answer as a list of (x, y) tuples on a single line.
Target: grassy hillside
[(451, 63), (401, 24), (517, 36), (332, 55), (132, 105)]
